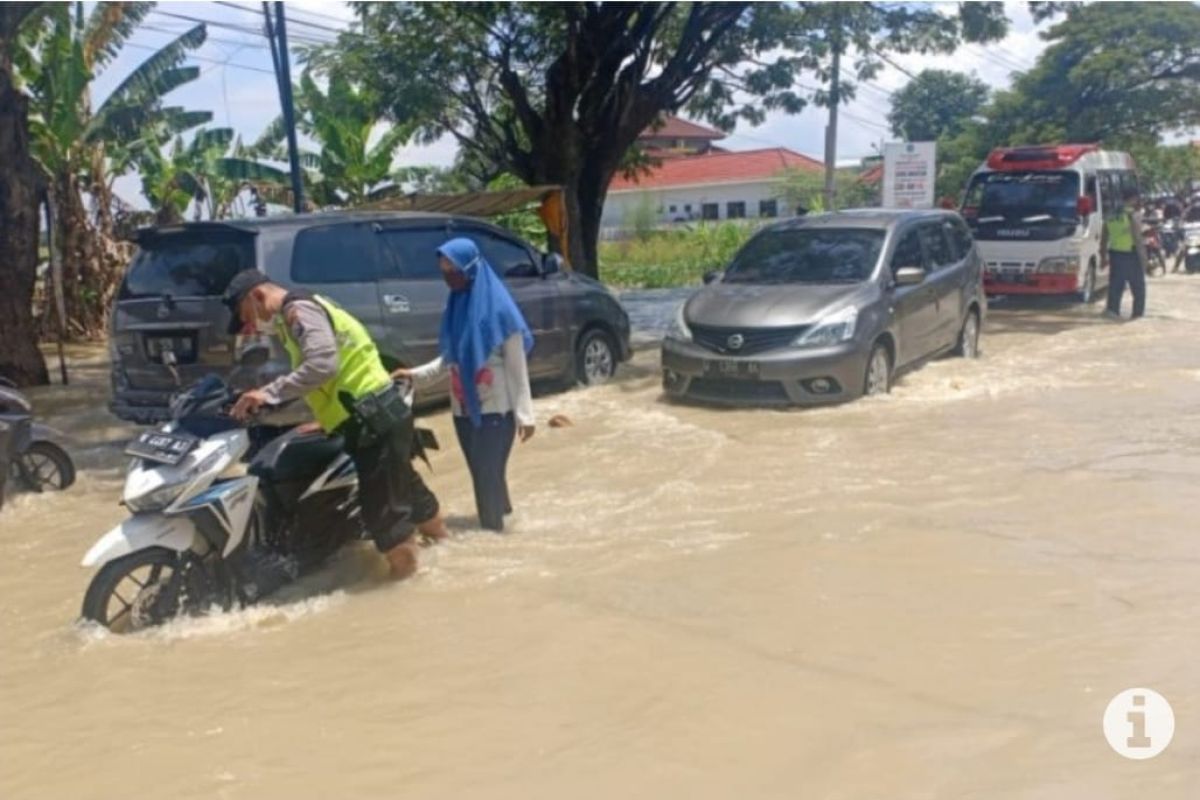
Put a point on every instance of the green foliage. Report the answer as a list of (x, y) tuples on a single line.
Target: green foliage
[(678, 257), (936, 105), (525, 223), (354, 163), (643, 217), (806, 189), (1167, 169)]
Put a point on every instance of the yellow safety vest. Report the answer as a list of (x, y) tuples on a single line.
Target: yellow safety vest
[(1120, 233), (360, 372)]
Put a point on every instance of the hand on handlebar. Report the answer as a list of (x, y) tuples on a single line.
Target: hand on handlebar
[(248, 405)]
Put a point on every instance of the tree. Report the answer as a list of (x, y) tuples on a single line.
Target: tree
[(20, 359), (804, 189), (936, 104), (76, 144), (349, 169), (1169, 169), (557, 93), (1114, 73)]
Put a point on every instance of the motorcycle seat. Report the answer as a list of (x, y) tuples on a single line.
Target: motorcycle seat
[(295, 456)]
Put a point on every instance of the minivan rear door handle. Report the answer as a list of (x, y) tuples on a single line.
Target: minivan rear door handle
[(397, 303)]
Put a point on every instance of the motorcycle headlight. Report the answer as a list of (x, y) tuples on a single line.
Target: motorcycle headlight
[(679, 329), (830, 329), (1059, 264), (158, 499)]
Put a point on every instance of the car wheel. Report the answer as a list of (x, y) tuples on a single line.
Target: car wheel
[(595, 358), (1088, 293), (968, 337), (878, 379)]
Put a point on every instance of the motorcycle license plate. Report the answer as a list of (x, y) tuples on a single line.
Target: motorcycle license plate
[(165, 448)]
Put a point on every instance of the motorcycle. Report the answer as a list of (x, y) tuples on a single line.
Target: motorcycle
[(30, 451), (1156, 260), (222, 513), (1191, 247)]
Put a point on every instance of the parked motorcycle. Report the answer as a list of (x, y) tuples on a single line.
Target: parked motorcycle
[(1191, 247), (222, 513), (30, 452)]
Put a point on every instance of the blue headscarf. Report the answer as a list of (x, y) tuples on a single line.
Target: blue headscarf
[(477, 320)]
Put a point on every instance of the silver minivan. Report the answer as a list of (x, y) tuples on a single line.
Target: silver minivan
[(827, 308), (169, 326)]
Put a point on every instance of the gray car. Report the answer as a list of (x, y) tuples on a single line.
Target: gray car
[(382, 267), (827, 308)]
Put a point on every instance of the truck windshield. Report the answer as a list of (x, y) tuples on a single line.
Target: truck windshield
[(1027, 198)]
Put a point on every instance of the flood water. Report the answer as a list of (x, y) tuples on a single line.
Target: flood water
[(929, 595)]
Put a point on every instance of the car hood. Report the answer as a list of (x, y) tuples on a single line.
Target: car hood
[(732, 305)]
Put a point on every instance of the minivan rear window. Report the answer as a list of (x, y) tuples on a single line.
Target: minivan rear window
[(186, 266)]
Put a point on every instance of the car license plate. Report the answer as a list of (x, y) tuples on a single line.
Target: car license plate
[(745, 370), (166, 448)]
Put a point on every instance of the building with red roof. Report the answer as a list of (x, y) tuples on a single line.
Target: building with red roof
[(713, 185)]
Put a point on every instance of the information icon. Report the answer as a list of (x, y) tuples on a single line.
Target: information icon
[(1139, 723)]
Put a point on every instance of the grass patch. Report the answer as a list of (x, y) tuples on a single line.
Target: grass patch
[(666, 259)]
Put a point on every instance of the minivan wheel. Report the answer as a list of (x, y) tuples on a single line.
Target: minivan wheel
[(595, 358), (1088, 293), (878, 379), (968, 337)]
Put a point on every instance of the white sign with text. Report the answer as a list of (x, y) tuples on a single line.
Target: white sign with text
[(909, 174)]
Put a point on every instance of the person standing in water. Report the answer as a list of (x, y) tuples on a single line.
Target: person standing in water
[(1126, 256), (484, 342)]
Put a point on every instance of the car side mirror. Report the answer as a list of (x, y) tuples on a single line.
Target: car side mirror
[(909, 276), (552, 264), (711, 276)]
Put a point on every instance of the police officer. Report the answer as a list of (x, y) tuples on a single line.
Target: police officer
[(1126, 256), (337, 370)]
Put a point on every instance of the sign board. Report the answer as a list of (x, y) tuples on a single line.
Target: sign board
[(909, 174)]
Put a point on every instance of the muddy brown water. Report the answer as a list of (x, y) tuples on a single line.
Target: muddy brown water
[(929, 595)]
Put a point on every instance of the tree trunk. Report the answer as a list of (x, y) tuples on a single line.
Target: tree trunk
[(20, 359)]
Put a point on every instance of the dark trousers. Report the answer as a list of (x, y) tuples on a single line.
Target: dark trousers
[(487, 449), (391, 493), (1126, 268)]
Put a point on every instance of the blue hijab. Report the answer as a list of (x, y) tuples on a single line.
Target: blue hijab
[(477, 320)]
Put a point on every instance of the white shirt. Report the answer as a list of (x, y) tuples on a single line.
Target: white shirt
[(502, 383)]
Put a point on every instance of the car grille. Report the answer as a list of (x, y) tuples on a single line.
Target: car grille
[(754, 340), (734, 390)]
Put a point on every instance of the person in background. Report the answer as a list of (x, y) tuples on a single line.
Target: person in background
[(1126, 256), (484, 342), (337, 370)]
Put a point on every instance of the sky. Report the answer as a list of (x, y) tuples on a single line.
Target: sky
[(237, 82)]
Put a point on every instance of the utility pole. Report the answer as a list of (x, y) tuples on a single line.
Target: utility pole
[(831, 127), (277, 35)]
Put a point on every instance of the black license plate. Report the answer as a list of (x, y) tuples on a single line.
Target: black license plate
[(166, 448), (1008, 277), (744, 370)]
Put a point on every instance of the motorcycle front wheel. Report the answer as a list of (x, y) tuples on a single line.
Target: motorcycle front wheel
[(148, 588), (43, 466)]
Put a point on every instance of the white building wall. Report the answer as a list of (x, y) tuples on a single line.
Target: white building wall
[(688, 201)]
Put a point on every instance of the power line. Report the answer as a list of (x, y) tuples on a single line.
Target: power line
[(306, 38), (202, 58), (292, 13), (294, 19)]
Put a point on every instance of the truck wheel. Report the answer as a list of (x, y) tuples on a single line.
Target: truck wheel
[(1087, 294)]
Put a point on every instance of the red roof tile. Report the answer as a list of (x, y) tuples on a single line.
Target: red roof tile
[(737, 167), (679, 128)]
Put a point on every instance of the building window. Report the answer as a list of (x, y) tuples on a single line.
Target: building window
[(672, 209), (735, 210), (687, 209), (710, 211), (768, 208)]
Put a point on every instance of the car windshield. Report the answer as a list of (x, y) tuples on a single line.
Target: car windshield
[(1027, 197), (807, 255), (187, 266)]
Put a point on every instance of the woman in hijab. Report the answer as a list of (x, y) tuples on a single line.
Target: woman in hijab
[(484, 342)]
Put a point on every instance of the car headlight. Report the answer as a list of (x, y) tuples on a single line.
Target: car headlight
[(830, 329), (1059, 264), (679, 329)]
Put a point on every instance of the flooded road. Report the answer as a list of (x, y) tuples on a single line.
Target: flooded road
[(929, 595)]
